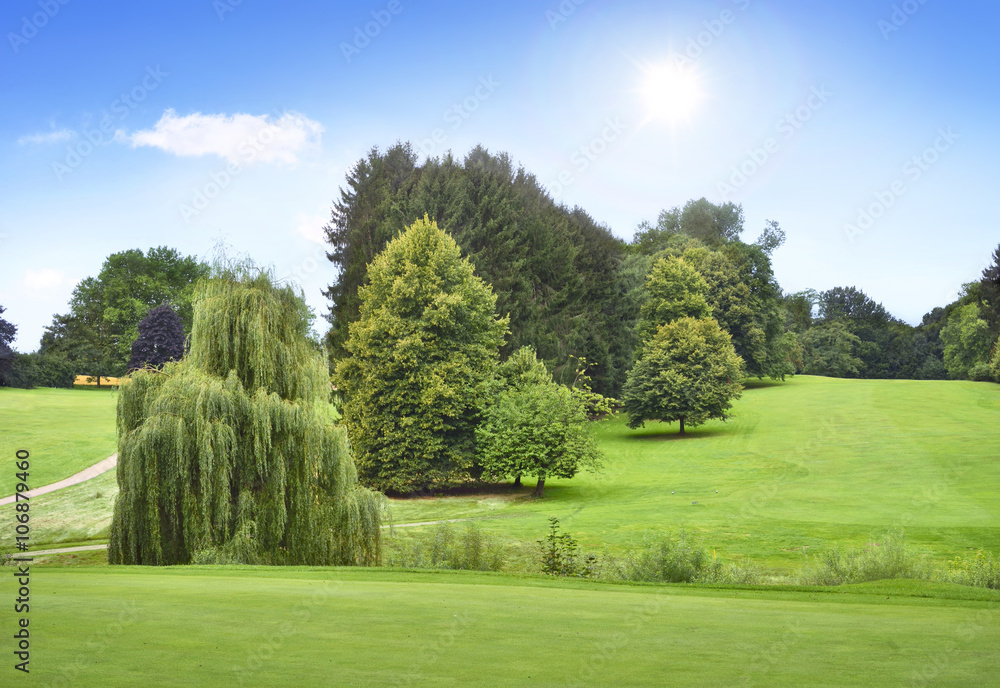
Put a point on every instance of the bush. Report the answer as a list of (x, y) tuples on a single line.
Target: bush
[(40, 370), (673, 559), (471, 550), (560, 554), (982, 571), (995, 362), (876, 561), (981, 373)]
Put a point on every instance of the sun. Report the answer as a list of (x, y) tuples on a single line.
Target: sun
[(671, 92)]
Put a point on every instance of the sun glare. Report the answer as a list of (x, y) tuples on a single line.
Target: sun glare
[(671, 93)]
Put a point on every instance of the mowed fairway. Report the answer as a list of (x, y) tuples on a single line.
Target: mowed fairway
[(801, 465), (65, 430), (335, 627)]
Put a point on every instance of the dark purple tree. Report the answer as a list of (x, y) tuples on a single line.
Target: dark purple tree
[(7, 333), (161, 339)]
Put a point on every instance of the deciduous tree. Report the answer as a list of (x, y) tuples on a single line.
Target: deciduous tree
[(421, 355)]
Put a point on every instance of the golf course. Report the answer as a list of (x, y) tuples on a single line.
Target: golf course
[(801, 467)]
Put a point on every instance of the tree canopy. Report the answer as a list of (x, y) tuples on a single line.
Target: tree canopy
[(688, 372), (231, 455), (97, 334), (553, 269), (161, 339), (534, 426), (421, 355)]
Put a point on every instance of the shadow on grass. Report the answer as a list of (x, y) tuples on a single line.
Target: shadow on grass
[(471, 489), (763, 384), (689, 434)]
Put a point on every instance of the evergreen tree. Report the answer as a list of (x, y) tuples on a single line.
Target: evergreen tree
[(231, 454), (421, 356), (161, 339)]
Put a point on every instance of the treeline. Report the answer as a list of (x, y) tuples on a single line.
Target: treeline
[(95, 337), (571, 288)]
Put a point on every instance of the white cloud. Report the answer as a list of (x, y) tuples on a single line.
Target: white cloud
[(310, 227), (44, 282), (49, 137), (239, 138)]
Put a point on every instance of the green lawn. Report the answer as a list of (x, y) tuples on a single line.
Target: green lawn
[(65, 430), (801, 465), (323, 627)]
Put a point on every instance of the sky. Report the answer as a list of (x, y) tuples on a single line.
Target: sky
[(866, 129)]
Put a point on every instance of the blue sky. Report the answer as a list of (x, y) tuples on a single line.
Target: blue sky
[(868, 130)]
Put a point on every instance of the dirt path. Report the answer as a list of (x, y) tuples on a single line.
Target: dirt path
[(87, 548), (86, 474)]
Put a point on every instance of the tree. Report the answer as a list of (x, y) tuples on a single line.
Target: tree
[(230, 455), (552, 269), (710, 224), (8, 332), (688, 372), (967, 342), (674, 289), (421, 356), (105, 311), (989, 294), (536, 427), (161, 339), (829, 349)]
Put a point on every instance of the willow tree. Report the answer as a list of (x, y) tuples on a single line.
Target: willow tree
[(232, 454)]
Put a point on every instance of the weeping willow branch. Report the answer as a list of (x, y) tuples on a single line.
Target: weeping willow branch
[(231, 453)]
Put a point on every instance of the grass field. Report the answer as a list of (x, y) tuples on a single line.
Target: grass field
[(65, 430), (801, 465), (319, 627)]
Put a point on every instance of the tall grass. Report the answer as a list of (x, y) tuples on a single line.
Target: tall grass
[(443, 548), (886, 557)]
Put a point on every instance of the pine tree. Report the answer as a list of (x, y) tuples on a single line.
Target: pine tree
[(231, 454)]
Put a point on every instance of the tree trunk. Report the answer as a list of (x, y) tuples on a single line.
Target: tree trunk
[(517, 481), (540, 488), (682, 425)]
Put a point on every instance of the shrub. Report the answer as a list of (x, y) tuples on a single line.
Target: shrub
[(672, 559), (981, 372), (982, 571), (470, 550), (560, 554), (876, 561)]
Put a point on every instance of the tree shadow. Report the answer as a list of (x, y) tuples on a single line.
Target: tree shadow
[(506, 489), (764, 383), (689, 434)]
